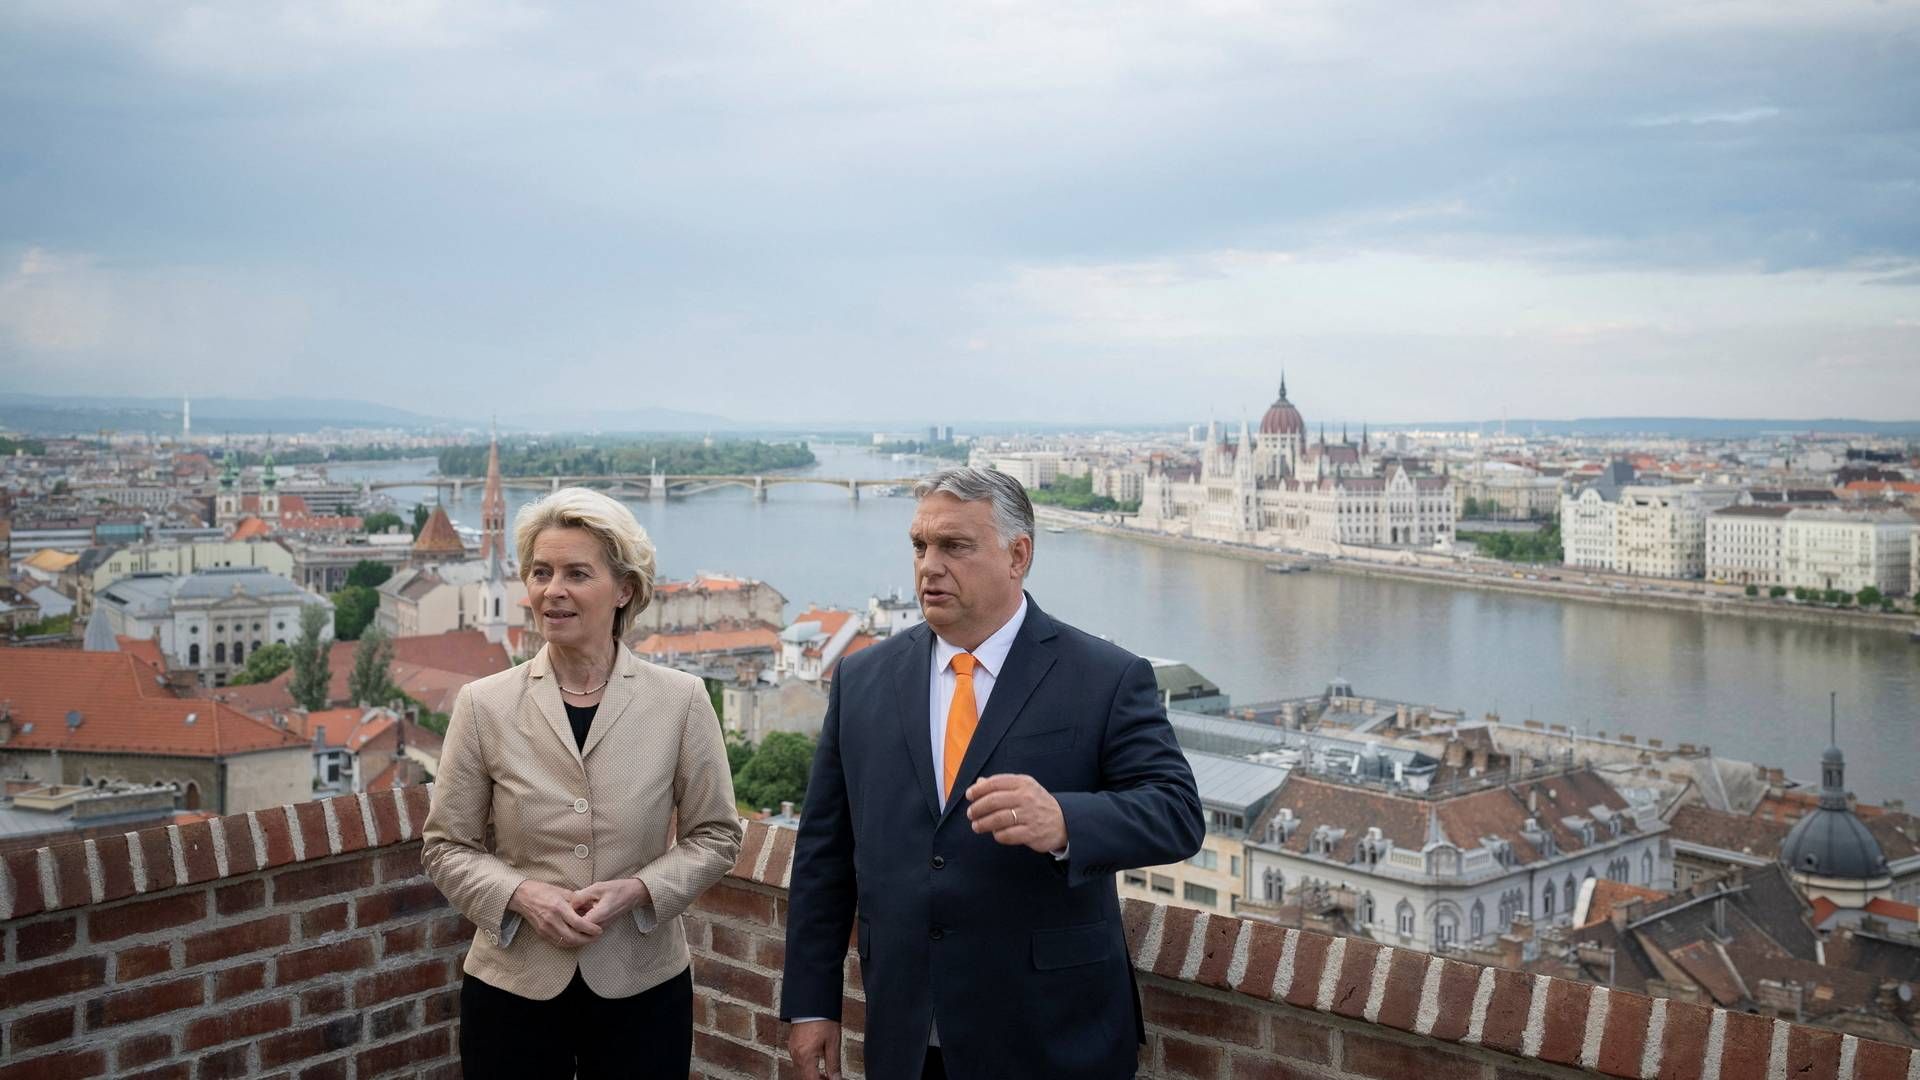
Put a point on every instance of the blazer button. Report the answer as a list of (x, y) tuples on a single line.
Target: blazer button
[(936, 933), (579, 806), (579, 851), (939, 862)]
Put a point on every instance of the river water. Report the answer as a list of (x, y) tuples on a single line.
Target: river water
[(1752, 689)]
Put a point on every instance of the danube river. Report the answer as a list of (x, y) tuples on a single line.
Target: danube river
[(1751, 689)]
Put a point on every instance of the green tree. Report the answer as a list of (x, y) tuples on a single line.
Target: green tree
[(739, 752), (1753, 590), (381, 522), (1777, 591), (777, 772), (371, 681), (1869, 596), (1073, 493), (353, 610), (264, 664), (311, 673), (421, 512), (369, 574)]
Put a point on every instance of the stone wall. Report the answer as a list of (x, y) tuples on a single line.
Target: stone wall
[(303, 941)]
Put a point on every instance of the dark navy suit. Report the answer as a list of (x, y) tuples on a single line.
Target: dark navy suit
[(1019, 955)]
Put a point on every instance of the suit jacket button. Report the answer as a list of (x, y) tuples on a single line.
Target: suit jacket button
[(579, 851), (939, 862), (579, 806), (936, 933)]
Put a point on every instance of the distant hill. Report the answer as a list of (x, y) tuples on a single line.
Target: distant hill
[(1700, 427), (51, 414)]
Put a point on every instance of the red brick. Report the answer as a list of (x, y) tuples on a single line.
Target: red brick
[(1246, 1066), (770, 952), (441, 1007), (142, 961), (1175, 932), (390, 1021), (146, 916), (745, 1060), (127, 1006), (403, 939), (1406, 978), (404, 982), (1566, 1023), (245, 896), (311, 963), (156, 854), (415, 801), (399, 864), (224, 1064), (24, 868), (1874, 1061), (1368, 1055), (733, 981), (273, 826), (1182, 1058), (116, 867), (1309, 956), (1507, 1011), (178, 1070), (1624, 1043), (242, 1023), (308, 882), (1300, 1036), (228, 941), (782, 854), (327, 1070), (398, 1055), (322, 1001), (730, 901), (1355, 983), (239, 838), (1458, 984), (323, 920), (142, 1050), (235, 981), (196, 845), (39, 940), (1685, 1041), (1813, 1054), (313, 828), (454, 930), (736, 1020), (750, 845), (853, 1015), (1222, 935), (58, 979), (1134, 916), (309, 1042), (41, 1029), (1201, 1016), (1263, 958), (70, 867), (386, 817), (353, 831), (733, 943), (65, 1065), (397, 902)]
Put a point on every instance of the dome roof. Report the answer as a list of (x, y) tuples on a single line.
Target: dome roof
[(1833, 843), (1281, 417)]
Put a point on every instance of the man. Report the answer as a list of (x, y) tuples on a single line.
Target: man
[(980, 779)]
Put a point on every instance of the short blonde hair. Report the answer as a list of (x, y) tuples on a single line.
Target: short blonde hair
[(627, 547)]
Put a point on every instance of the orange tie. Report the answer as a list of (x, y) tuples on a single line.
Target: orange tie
[(962, 717)]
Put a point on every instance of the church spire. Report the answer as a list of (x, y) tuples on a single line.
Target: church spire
[(1283, 384), (493, 506)]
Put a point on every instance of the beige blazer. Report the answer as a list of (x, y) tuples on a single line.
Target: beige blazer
[(650, 796)]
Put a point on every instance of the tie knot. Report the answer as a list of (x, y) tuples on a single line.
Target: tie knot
[(963, 664)]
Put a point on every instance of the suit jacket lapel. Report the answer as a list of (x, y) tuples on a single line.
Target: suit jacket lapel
[(613, 703), (545, 690), (1027, 663), (913, 678)]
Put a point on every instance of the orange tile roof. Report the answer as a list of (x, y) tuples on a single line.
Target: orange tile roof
[(293, 504), (709, 582), (252, 528), (1893, 909), (1881, 487), (146, 650), (1608, 895), (830, 621), (1823, 910), (433, 664), (699, 641), (122, 709), (438, 536)]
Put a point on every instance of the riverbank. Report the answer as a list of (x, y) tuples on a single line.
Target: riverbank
[(1511, 578)]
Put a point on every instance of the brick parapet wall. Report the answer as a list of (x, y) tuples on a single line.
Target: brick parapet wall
[(304, 942)]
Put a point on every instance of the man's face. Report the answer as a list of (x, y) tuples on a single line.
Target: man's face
[(967, 580)]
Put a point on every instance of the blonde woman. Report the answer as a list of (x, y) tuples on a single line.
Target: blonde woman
[(583, 802)]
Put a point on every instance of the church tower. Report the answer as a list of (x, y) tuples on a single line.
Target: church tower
[(226, 506), (269, 492), (493, 508)]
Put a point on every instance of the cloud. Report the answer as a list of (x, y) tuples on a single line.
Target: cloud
[(1735, 117)]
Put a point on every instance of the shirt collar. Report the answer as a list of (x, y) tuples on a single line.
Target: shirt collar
[(992, 653)]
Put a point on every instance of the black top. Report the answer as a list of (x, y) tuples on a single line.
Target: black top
[(581, 717)]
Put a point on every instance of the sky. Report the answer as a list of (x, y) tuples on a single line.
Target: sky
[(797, 213)]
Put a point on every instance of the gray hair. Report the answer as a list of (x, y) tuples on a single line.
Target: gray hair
[(626, 546), (1012, 510)]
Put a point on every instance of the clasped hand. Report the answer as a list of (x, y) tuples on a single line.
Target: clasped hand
[(570, 918), (1018, 812)]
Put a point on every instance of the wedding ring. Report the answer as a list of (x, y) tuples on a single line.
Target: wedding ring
[(1016, 816)]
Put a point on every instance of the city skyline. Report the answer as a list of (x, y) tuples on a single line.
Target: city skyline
[(1132, 216)]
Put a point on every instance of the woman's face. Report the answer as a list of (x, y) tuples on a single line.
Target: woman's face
[(572, 590)]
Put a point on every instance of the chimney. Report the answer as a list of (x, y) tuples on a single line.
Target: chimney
[(1720, 917), (786, 808), (1533, 801)]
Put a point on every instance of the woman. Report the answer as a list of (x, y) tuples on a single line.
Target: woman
[(583, 802)]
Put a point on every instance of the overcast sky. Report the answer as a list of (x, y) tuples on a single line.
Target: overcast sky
[(818, 211)]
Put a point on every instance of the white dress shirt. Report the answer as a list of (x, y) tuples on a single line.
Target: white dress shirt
[(989, 659)]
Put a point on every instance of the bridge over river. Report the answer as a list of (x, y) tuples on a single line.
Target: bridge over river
[(653, 485)]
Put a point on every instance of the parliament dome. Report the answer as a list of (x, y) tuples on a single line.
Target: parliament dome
[(1281, 417)]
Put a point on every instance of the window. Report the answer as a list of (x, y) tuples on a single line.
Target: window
[(1135, 879), (1233, 861), (1162, 884), (1477, 921), (1446, 929), (1200, 894), (1567, 891), (193, 655), (1275, 885), (1205, 859), (1403, 919), (239, 651), (219, 652), (1646, 868), (1546, 901), (1364, 910)]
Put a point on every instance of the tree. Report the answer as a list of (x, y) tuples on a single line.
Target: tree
[(1777, 591), (264, 664), (371, 681), (777, 772), (739, 752), (353, 610), (369, 574), (381, 522), (420, 515), (1753, 590), (1869, 596), (311, 673)]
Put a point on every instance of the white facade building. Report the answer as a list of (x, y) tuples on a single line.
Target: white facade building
[(1653, 530), (1744, 545), (209, 621), (1849, 551)]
